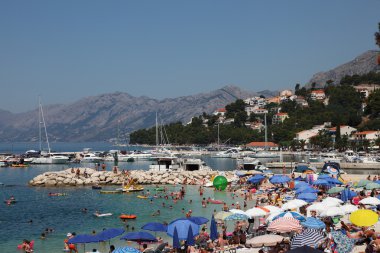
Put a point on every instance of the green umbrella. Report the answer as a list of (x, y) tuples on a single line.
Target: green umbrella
[(362, 183), (335, 190), (222, 215), (372, 185)]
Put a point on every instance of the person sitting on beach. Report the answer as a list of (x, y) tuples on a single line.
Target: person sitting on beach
[(221, 242)]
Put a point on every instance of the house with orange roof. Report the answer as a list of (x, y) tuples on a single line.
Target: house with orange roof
[(220, 111), (344, 130), (318, 95), (370, 135), (279, 117)]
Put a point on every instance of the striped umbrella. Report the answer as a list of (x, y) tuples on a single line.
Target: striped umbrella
[(285, 225), (309, 237), (314, 223), (294, 215)]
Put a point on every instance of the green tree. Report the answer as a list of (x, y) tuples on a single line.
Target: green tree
[(297, 87), (373, 104), (377, 35)]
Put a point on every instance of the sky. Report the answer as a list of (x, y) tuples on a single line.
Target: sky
[(66, 50)]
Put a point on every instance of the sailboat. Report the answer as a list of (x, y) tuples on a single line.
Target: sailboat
[(46, 157), (265, 153)]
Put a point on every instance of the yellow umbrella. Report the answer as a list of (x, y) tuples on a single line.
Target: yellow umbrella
[(364, 218)]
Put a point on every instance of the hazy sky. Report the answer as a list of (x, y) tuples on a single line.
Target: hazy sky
[(66, 50)]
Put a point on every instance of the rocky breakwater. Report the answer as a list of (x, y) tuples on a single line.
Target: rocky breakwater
[(88, 176)]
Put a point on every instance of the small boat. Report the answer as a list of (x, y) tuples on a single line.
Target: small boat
[(128, 216), (110, 192), (142, 197), (96, 187), (159, 189), (15, 165), (102, 214)]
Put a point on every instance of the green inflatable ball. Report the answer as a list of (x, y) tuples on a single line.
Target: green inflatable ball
[(220, 183)]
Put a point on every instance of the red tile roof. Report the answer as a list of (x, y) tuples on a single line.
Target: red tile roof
[(318, 91), (221, 110), (365, 132), (281, 114), (261, 144)]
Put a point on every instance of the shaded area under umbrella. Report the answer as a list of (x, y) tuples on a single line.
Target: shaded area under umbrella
[(139, 237), (110, 233), (155, 226)]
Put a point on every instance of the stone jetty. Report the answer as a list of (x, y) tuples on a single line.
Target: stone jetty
[(88, 176)]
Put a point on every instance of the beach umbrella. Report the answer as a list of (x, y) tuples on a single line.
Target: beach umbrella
[(362, 183), (347, 194), (222, 215), (304, 249), (182, 227), (176, 244), (83, 238), (335, 190), (237, 211), (306, 190), (308, 197), (372, 185), (110, 233), (294, 215), (279, 179), (332, 212), (264, 240), (343, 243), (321, 182), (301, 184), (370, 201), (213, 229), (364, 218), (196, 219), (256, 179), (271, 216), (324, 176), (155, 226), (237, 216), (329, 201), (349, 208), (308, 237), (318, 207), (293, 204), (190, 237), (273, 209), (255, 212), (284, 225), (139, 237), (314, 223), (126, 249), (334, 181)]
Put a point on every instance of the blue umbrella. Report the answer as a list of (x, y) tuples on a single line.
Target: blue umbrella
[(213, 229), (196, 219), (176, 243), (139, 237), (126, 249), (308, 197), (294, 215), (301, 184), (321, 182), (324, 176), (279, 179), (190, 237), (182, 227), (306, 190), (332, 180), (155, 226), (256, 179), (83, 239), (347, 195), (312, 222), (110, 233)]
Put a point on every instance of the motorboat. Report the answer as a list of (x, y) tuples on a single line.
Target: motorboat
[(91, 158), (250, 163), (229, 153), (50, 159), (266, 154), (194, 164), (140, 155)]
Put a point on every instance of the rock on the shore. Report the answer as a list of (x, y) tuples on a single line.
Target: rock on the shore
[(88, 176)]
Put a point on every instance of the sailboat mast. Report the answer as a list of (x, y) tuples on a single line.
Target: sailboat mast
[(218, 138), (39, 123), (266, 131), (43, 121), (157, 141)]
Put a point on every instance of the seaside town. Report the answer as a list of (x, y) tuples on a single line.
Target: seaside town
[(291, 167)]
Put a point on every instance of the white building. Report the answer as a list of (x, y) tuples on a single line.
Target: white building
[(318, 95), (344, 130), (366, 135), (220, 111), (279, 117)]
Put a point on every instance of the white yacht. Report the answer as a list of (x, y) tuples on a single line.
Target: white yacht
[(230, 153), (250, 163), (91, 158), (266, 154), (50, 159), (140, 155), (173, 163), (331, 157)]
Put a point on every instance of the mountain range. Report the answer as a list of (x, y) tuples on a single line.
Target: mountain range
[(362, 64), (103, 117)]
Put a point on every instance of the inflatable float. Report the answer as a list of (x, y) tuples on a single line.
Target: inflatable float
[(215, 201), (142, 197), (127, 216), (10, 201), (159, 189), (102, 214)]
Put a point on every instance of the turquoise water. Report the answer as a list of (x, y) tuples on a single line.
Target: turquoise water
[(63, 213)]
